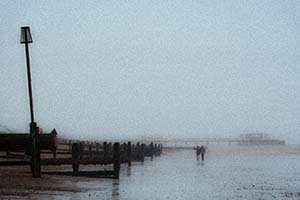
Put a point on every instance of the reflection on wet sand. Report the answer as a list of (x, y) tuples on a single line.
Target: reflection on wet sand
[(115, 189), (128, 171), (200, 163)]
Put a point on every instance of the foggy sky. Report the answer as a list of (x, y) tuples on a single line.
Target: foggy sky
[(119, 69)]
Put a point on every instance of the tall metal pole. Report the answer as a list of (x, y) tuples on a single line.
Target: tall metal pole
[(35, 150), (29, 80)]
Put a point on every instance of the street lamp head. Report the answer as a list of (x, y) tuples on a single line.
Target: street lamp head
[(25, 35)]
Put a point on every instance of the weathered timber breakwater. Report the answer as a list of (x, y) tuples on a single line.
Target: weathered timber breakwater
[(14, 150)]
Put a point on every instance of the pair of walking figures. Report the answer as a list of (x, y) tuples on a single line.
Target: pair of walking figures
[(200, 150)]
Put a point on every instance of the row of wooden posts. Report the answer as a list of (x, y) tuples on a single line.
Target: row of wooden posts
[(106, 153), (76, 153)]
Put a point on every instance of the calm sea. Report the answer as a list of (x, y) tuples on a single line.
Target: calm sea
[(227, 173)]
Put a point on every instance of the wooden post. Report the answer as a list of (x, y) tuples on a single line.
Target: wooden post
[(151, 150), (90, 150), (105, 151), (129, 153), (110, 146), (97, 148), (81, 150), (124, 147), (158, 149), (138, 151), (75, 156), (54, 153), (116, 158), (70, 145), (143, 152), (123, 152), (155, 150)]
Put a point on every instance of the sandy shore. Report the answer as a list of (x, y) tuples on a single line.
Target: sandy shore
[(16, 181)]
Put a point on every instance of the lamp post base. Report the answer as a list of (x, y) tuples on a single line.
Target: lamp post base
[(35, 158)]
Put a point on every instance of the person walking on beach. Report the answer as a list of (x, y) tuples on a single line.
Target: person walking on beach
[(200, 150)]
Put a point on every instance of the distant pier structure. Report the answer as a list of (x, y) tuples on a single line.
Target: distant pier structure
[(242, 140), (259, 139)]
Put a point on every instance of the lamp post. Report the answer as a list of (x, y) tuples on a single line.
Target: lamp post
[(35, 150)]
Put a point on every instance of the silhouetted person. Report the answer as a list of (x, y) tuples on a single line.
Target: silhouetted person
[(197, 152), (200, 150)]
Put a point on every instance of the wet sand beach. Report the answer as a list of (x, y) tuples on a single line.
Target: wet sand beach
[(17, 181), (233, 172)]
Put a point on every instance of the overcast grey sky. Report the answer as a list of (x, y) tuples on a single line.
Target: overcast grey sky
[(115, 69)]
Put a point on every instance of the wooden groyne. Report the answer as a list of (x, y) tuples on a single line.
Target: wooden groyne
[(22, 141), (77, 153)]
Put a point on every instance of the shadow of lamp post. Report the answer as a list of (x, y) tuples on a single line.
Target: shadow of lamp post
[(35, 150)]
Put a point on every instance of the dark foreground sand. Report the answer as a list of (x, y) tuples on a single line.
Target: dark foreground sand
[(16, 181)]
